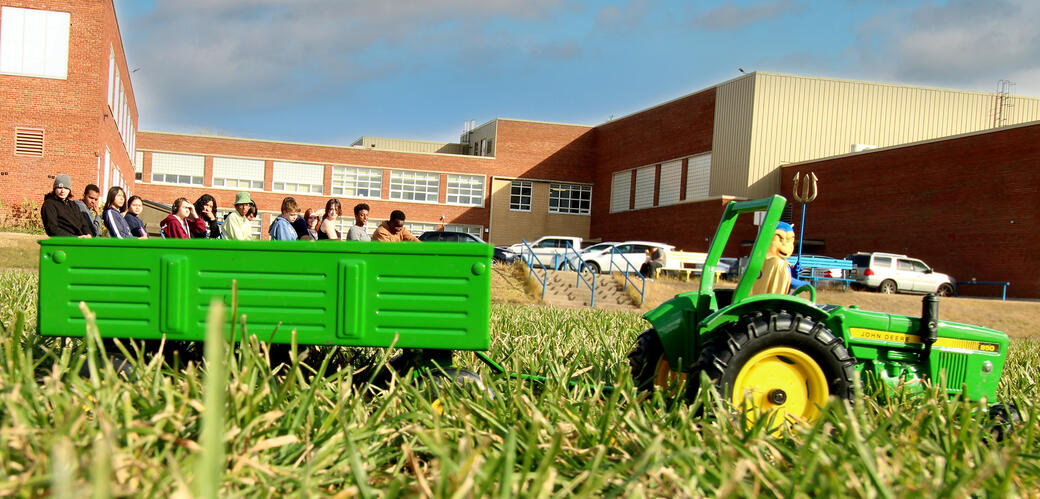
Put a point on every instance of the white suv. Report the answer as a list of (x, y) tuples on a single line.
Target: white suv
[(892, 273)]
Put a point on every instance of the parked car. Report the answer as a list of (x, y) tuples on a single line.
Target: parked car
[(634, 252), (446, 236), (549, 249), (893, 273)]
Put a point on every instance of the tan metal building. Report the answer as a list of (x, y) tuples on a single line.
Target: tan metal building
[(766, 120)]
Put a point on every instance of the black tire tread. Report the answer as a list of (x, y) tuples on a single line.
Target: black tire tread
[(762, 330)]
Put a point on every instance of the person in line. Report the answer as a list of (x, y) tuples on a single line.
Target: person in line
[(178, 225), (236, 226), (393, 230), (133, 217), (300, 225), (358, 232), (206, 207), (61, 216), (88, 207), (115, 203), (327, 230), (251, 213), (282, 227), (311, 220)]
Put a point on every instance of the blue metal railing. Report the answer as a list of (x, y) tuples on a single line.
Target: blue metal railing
[(624, 270), (569, 262), (528, 256)]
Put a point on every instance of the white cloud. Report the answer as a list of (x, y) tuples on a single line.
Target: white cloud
[(965, 43), (250, 54), (732, 16)]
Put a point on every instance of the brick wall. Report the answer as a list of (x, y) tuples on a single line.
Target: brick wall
[(672, 130), (967, 206), (71, 111), (527, 149)]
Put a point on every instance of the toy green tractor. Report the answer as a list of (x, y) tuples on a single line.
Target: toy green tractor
[(785, 354)]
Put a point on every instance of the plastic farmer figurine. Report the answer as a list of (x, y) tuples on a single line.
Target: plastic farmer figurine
[(776, 272), (235, 225)]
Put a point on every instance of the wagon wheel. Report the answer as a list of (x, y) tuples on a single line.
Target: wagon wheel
[(444, 378), (779, 363), (650, 367)]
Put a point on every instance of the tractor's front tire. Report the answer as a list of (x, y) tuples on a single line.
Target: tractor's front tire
[(778, 361), (649, 366)]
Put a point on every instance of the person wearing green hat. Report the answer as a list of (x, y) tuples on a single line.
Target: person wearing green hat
[(60, 216), (235, 224)]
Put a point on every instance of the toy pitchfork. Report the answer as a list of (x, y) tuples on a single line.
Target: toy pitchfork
[(807, 196)]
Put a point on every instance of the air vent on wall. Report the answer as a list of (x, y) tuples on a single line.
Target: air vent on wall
[(28, 141)]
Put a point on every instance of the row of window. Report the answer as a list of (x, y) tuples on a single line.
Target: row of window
[(308, 178), (625, 196), (119, 103), (568, 199)]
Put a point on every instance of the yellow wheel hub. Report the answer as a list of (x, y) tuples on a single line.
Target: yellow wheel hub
[(783, 380)]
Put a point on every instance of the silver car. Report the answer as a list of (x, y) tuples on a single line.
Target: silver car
[(892, 273)]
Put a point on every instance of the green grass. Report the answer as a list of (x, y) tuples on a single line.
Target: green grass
[(290, 432)]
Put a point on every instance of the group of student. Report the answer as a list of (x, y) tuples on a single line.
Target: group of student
[(120, 218)]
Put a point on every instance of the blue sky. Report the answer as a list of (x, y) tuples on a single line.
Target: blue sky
[(330, 71)]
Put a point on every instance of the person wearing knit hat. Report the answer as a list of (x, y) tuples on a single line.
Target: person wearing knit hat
[(60, 216)]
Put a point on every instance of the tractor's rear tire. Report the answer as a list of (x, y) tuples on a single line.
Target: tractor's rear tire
[(778, 361), (649, 366), (888, 287)]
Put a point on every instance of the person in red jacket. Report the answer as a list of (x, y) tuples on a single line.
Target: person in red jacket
[(181, 221)]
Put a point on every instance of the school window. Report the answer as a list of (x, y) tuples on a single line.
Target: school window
[(357, 182), (170, 168), (570, 199), (138, 165), (467, 190), (698, 177), (645, 187), (420, 187), (520, 195), (671, 180), (620, 190), (34, 42), (237, 173), (303, 178)]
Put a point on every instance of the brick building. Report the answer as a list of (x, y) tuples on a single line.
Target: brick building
[(663, 173), (968, 205), (66, 102)]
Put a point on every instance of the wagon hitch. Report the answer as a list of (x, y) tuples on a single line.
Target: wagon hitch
[(531, 377)]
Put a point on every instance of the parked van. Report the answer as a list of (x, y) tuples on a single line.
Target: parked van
[(892, 273)]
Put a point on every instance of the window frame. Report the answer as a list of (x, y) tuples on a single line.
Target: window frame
[(529, 195), (459, 178), (557, 187), (398, 184)]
